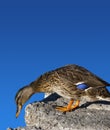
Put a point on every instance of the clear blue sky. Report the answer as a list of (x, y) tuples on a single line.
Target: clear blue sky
[(41, 35)]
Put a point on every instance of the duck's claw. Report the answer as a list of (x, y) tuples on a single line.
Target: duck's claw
[(69, 107)]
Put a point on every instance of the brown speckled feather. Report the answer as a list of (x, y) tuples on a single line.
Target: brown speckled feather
[(75, 73)]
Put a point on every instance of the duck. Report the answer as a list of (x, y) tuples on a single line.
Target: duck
[(70, 81)]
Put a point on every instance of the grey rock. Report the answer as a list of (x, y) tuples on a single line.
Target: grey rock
[(42, 115), (26, 128)]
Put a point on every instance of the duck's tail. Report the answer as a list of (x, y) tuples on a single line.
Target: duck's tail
[(103, 93), (108, 88)]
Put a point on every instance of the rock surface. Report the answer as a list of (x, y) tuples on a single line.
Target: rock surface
[(43, 116)]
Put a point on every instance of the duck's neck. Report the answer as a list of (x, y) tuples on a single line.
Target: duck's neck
[(40, 87)]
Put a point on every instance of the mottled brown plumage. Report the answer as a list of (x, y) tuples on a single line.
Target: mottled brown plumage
[(64, 82)]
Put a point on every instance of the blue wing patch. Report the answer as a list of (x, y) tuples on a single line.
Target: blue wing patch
[(82, 86)]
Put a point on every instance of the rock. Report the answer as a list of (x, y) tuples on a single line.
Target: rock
[(26, 128), (89, 116)]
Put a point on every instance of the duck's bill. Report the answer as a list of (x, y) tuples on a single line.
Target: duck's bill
[(18, 110)]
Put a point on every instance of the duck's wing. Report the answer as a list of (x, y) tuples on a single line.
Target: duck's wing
[(77, 74)]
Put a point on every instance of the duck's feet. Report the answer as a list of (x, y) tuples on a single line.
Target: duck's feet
[(69, 107)]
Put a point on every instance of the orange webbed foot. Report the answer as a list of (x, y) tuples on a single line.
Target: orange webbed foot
[(69, 107)]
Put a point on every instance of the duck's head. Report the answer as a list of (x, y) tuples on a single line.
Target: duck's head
[(21, 97)]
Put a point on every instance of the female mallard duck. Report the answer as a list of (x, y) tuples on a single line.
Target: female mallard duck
[(71, 81)]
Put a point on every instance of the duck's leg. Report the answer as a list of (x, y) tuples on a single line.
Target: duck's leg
[(69, 107)]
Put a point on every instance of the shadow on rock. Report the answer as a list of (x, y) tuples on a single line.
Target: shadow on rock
[(104, 102)]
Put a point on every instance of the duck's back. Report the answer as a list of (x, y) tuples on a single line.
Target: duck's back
[(76, 74)]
